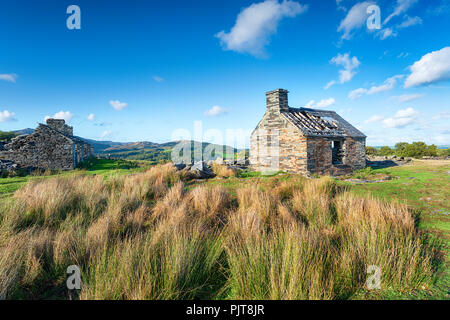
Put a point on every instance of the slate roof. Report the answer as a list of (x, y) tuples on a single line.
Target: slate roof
[(321, 123)]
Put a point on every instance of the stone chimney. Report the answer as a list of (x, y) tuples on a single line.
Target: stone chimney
[(60, 125), (277, 100)]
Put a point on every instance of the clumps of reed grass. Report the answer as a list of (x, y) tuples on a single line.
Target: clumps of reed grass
[(319, 243), (223, 171), (149, 236)]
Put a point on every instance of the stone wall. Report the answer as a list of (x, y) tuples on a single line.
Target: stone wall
[(319, 155), (276, 144), (271, 143), (355, 153), (60, 125)]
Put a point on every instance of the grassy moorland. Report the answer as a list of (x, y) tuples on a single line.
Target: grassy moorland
[(149, 233)]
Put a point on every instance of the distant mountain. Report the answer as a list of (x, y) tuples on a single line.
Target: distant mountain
[(145, 150), (24, 131), (100, 146), (157, 152)]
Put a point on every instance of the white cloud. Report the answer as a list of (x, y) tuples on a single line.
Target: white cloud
[(405, 113), (357, 93), (401, 119), (325, 103), (386, 33), (442, 116), (349, 64), (158, 79), (256, 23), (388, 84), (117, 105), (11, 77), (401, 7), (215, 111), (7, 116), (407, 97), (409, 22), (91, 117), (431, 68), (65, 115), (354, 19), (374, 118), (329, 84)]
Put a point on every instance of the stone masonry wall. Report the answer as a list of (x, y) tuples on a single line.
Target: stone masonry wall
[(355, 153), (60, 125), (276, 144), (319, 155)]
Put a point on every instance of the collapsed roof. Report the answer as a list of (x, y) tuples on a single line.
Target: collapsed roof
[(321, 123)]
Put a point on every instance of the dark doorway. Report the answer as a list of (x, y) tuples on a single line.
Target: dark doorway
[(337, 151)]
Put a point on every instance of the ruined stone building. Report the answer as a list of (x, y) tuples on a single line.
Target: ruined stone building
[(303, 140), (50, 146)]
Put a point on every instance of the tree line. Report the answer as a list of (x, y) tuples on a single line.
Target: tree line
[(405, 149)]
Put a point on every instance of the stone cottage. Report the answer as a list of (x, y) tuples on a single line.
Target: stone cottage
[(50, 146), (303, 140)]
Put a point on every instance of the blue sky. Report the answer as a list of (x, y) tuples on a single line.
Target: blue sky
[(141, 70)]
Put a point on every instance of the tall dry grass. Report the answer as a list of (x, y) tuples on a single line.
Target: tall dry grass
[(223, 171), (148, 236)]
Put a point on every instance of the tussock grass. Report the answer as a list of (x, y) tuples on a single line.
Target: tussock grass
[(223, 171), (146, 236)]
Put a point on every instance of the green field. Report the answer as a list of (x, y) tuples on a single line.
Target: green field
[(93, 167), (423, 186)]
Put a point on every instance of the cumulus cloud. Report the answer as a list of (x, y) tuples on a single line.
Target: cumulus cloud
[(158, 79), (374, 118), (349, 64), (117, 105), (91, 117), (401, 7), (256, 23), (401, 119), (325, 103), (5, 115), (215, 111), (388, 84), (431, 68), (10, 77), (355, 19), (65, 115)]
